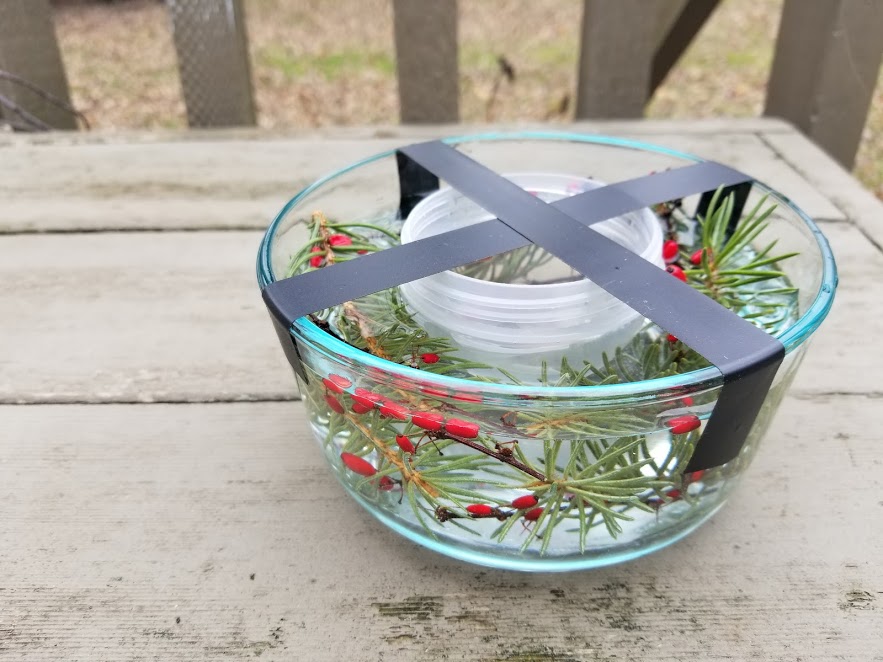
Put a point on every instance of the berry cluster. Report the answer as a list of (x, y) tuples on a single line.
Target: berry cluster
[(671, 253), (365, 400), (527, 503), (343, 398)]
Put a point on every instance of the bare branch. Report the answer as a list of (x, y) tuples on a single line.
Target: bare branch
[(47, 96), (32, 120)]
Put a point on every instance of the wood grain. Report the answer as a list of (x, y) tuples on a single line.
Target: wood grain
[(831, 180), (117, 520), (613, 77), (427, 70), (826, 89), (177, 316), (212, 529), (236, 184)]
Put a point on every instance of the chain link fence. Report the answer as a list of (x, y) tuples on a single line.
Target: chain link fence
[(213, 61)]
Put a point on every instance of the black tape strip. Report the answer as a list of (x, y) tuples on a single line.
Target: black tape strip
[(415, 183), (740, 194), (747, 356), (292, 298)]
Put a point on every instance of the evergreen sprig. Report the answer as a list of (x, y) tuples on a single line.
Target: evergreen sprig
[(729, 270), (576, 468)]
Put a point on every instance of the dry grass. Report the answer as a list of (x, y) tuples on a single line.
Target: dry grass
[(331, 62), (121, 64)]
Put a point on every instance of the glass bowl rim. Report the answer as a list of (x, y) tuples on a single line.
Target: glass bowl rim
[(336, 349)]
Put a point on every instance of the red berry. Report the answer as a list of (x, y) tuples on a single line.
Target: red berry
[(316, 261), (427, 420), (670, 250), (386, 483), (533, 515), (677, 272), (336, 383), (684, 424), (362, 252), (480, 510), (429, 357), (672, 338), (462, 428), (434, 393), (523, 502), (674, 495), (687, 401), (696, 476), (340, 240), (359, 408), (467, 397), (405, 444), (334, 404), (358, 465), (391, 409), (696, 258), (367, 398)]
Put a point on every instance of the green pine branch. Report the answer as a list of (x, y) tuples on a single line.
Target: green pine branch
[(587, 470)]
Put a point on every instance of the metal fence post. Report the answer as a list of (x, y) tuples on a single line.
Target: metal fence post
[(212, 48), (29, 49)]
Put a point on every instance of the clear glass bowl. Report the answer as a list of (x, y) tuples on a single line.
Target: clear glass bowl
[(475, 499)]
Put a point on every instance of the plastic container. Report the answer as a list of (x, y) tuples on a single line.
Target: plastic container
[(557, 313), (528, 441)]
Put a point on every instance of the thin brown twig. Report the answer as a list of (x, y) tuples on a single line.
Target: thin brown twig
[(29, 118), (46, 96), (508, 459)]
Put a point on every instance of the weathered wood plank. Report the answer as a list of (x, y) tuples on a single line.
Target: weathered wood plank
[(136, 317), (119, 520), (828, 54), (29, 49), (212, 48), (831, 180), (207, 183), (678, 36), (667, 15), (627, 48), (426, 60), (178, 317), (617, 44), (644, 127)]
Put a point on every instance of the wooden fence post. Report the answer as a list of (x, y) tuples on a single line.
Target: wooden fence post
[(825, 69), (212, 48), (619, 41), (676, 35), (426, 60), (29, 49)]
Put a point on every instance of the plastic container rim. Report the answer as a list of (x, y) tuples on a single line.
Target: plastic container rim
[(573, 288)]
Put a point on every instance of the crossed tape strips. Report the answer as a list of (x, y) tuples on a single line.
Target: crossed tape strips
[(747, 357)]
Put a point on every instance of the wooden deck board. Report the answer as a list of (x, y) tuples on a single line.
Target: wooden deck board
[(212, 184), (177, 316), (118, 519)]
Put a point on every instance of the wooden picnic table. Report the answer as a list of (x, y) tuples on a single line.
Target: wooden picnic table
[(162, 499)]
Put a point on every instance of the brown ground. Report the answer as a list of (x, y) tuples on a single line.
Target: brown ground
[(331, 62)]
